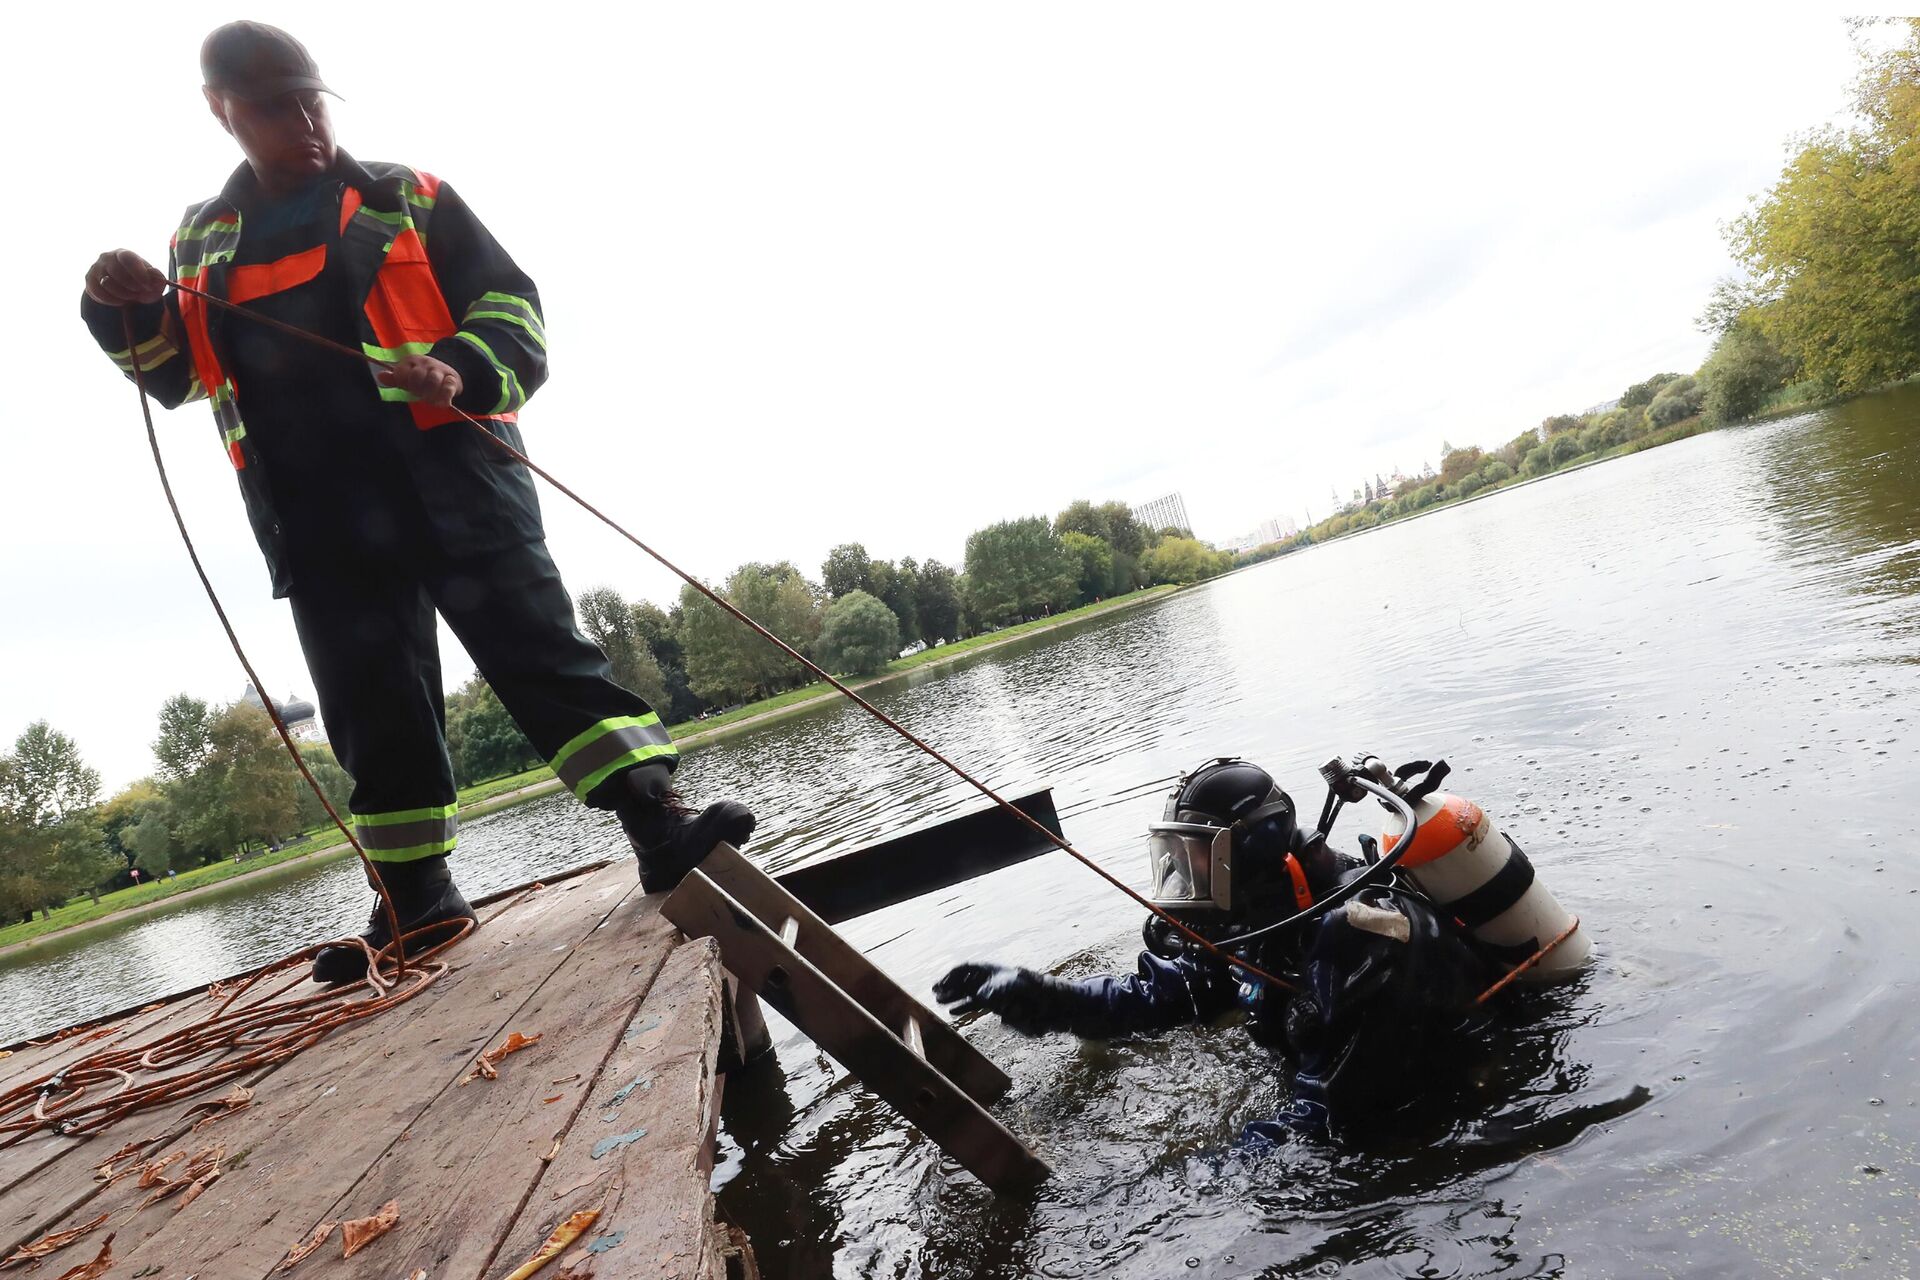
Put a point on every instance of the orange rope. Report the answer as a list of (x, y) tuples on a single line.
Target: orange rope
[(1527, 964)]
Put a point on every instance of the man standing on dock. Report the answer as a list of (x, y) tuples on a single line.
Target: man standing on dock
[(374, 503)]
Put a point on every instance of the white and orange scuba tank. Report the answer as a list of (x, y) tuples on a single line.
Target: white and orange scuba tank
[(1471, 869)]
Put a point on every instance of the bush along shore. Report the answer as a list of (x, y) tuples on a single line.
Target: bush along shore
[(322, 844)]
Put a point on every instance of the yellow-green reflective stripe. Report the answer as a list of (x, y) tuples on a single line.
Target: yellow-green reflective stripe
[(510, 394), (235, 433), (401, 352), (413, 852), (401, 219), (201, 231), (414, 197), (633, 757), (601, 729), (398, 816), (397, 395), (511, 302), (510, 318), (125, 357)]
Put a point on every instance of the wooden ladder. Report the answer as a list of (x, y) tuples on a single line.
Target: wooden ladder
[(906, 1054)]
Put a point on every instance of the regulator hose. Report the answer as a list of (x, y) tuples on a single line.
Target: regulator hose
[(1374, 874)]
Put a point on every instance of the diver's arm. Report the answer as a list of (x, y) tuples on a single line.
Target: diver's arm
[(1161, 994)]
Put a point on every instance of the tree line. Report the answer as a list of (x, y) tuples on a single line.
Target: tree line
[(223, 784), (1827, 305)]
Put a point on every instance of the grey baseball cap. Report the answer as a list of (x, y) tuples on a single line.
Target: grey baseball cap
[(258, 62)]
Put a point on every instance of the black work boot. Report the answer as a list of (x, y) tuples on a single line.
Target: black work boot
[(669, 838), (424, 894)]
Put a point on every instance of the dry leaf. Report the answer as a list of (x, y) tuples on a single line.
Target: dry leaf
[(50, 1243), (552, 1151), (563, 1235), (420, 1273), (152, 1171), (6, 1053), (361, 1232), (194, 1188), (105, 1170), (92, 1270), (236, 1099), (307, 1246), (547, 1102), (514, 1043)]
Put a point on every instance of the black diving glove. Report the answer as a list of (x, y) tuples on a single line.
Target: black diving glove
[(1031, 1003)]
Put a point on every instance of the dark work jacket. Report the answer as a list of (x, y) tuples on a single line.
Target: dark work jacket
[(466, 494)]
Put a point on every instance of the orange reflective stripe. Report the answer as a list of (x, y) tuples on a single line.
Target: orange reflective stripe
[(349, 205), (428, 416), (193, 313), (257, 280)]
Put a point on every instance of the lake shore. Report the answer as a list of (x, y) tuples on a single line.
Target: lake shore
[(499, 794)]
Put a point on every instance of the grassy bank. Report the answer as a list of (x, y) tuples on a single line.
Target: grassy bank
[(324, 845)]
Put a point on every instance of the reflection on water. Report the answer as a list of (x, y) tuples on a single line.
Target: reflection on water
[(1683, 679)]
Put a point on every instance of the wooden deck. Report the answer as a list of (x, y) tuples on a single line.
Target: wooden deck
[(613, 1109)]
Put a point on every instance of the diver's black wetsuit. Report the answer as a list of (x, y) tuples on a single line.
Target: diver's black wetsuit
[(1385, 986)]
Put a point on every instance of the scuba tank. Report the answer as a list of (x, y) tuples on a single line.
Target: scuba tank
[(1475, 872)]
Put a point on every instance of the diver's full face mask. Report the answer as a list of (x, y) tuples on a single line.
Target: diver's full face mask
[(1190, 867)]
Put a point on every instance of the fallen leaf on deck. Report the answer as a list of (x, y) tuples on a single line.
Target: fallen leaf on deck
[(420, 1273), (482, 1069), (307, 1246), (547, 1102), (90, 1270), (105, 1170), (514, 1043), (361, 1232), (50, 1243), (552, 1151), (563, 1235), (236, 1099), (152, 1171), (6, 1053), (195, 1187)]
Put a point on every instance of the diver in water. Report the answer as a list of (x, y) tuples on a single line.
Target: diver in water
[(1385, 979)]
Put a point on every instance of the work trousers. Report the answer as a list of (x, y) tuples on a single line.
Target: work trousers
[(367, 627)]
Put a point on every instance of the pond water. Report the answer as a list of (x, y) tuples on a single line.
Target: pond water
[(1686, 680)]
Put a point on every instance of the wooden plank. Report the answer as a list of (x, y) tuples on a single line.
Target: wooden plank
[(650, 1121), (475, 1154), (866, 1047), (318, 1120), (945, 1049), (923, 861)]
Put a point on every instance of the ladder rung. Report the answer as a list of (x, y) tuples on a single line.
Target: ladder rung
[(911, 1037), (790, 931)]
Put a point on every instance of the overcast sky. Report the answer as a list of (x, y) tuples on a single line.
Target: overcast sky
[(887, 273)]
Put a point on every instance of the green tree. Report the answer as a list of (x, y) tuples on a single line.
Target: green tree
[(1741, 371), (482, 739), (186, 737), (334, 784), (1459, 463), (936, 602), (725, 660), (900, 592), (51, 846), (1094, 556), (848, 567), (1563, 448), (858, 634), (1539, 460), (1495, 471), (661, 631), (610, 622), (1677, 401), (1833, 250), (1018, 569), (1187, 560), (1083, 517), (1642, 393), (261, 785), (151, 845), (1559, 422)]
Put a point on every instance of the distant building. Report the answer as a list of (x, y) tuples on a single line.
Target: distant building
[(296, 713), (1603, 407), (1278, 529), (1169, 512)]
